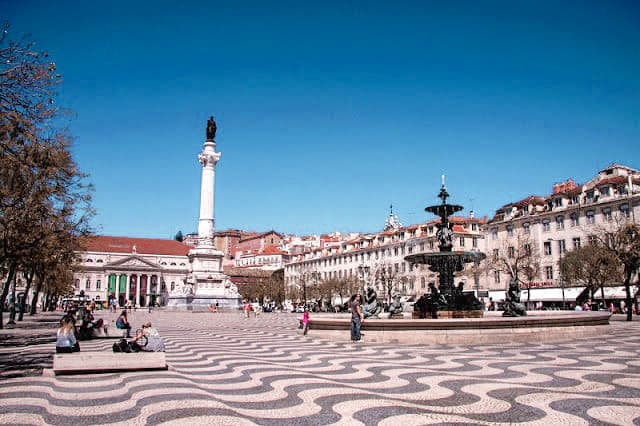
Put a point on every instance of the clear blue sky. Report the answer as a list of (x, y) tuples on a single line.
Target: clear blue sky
[(329, 111)]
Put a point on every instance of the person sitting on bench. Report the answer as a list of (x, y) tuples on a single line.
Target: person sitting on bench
[(66, 341), (123, 324), (154, 342)]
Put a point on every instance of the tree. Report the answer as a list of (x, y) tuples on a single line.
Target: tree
[(179, 237), (518, 257), (42, 193), (622, 239), (388, 279), (592, 265)]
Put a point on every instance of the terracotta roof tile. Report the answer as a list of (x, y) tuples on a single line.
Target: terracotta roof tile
[(103, 243)]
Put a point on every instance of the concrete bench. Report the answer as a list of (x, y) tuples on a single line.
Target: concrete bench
[(107, 362)]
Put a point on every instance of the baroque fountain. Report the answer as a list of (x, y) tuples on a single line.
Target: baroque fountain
[(448, 300), (450, 315)]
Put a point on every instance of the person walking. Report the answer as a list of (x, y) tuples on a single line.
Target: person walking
[(305, 321), (357, 317)]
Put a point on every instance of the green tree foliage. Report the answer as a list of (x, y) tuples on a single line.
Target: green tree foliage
[(44, 203)]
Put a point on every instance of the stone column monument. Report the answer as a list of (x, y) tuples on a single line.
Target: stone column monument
[(206, 283)]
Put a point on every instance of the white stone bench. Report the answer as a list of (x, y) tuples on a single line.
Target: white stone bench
[(107, 362)]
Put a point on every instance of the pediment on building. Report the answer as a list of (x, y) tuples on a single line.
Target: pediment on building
[(133, 262)]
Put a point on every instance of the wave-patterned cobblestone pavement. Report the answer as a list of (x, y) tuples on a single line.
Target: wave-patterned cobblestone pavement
[(226, 369)]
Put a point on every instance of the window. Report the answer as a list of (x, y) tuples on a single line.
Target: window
[(99, 261), (624, 209), (173, 285), (547, 248), (559, 222), (474, 242), (98, 284), (545, 226), (511, 252), (89, 260), (576, 242), (575, 219), (548, 272), (461, 241), (431, 245), (496, 277), (562, 246), (494, 234), (605, 191), (496, 253), (574, 199), (474, 226), (421, 246), (404, 266), (411, 281), (410, 249), (77, 283), (589, 196), (87, 284), (395, 251), (591, 217), (606, 212), (423, 284), (510, 230), (526, 228), (397, 267)]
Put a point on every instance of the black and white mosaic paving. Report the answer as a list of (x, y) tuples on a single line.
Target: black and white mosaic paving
[(227, 369)]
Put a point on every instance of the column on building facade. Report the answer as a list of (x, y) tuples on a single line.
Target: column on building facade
[(138, 284), (127, 288), (149, 279), (117, 282)]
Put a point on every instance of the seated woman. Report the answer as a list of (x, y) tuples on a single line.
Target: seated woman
[(151, 335), (66, 341), (123, 323)]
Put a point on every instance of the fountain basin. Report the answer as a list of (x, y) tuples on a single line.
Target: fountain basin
[(537, 327)]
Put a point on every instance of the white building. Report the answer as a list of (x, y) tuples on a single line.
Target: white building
[(561, 221), (348, 259), (131, 269)]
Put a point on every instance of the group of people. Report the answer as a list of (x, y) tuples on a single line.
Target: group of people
[(68, 335)]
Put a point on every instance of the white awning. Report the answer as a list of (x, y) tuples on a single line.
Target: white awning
[(617, 292), (551, 294)]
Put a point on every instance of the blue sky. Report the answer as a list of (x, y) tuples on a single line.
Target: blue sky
[(329, 111)]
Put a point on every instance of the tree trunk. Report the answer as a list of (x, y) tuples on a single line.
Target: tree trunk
[(23, 303), (627, 289), (34, 299), (604, 301), (5, 290), (12, 306)]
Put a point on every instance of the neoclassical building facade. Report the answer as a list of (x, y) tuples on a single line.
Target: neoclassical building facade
[(139, 270), (559, 222), (372, 259)]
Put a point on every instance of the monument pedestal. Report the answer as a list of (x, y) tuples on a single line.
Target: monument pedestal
[(206, 285)]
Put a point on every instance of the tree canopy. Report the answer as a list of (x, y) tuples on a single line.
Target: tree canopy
[(45, 205)]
